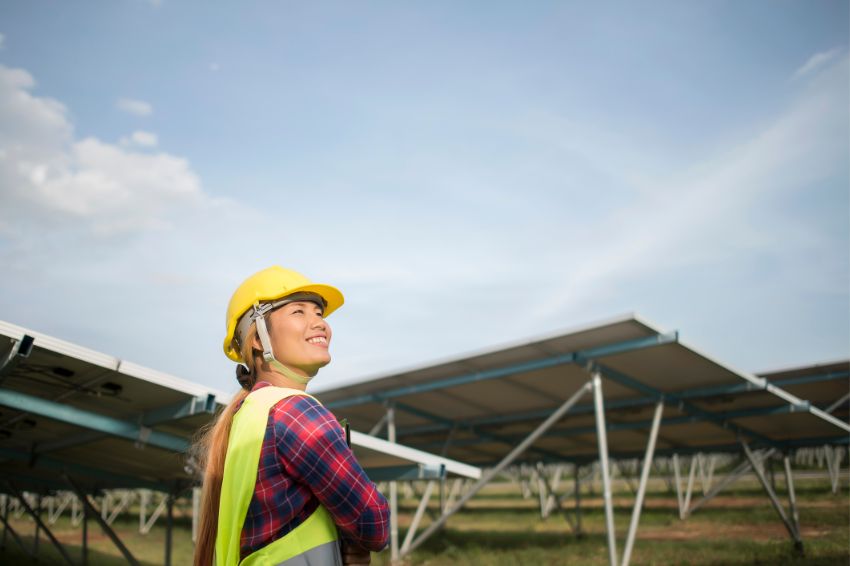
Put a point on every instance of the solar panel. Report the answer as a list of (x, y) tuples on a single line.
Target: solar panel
[(109, 423)]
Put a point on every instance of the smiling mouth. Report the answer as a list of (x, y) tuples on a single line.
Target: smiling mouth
[(318, 340)]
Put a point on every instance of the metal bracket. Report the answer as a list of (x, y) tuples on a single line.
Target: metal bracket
[(20, 351), (144, 435)]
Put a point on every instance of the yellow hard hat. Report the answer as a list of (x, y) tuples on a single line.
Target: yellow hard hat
[(272, 284)]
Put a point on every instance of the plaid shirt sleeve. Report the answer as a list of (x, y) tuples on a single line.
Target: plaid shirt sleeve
[(311, 445)]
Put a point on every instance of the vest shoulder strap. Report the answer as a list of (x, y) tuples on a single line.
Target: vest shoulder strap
[(240, 467)]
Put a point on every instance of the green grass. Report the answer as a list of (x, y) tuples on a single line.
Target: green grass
[(501, 528)]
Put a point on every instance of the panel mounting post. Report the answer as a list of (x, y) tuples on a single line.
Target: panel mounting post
[(602, 437)]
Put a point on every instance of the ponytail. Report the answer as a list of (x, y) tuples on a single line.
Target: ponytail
[(212, 446), (210, 450)]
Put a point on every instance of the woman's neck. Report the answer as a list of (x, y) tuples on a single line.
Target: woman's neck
[(266, 373)]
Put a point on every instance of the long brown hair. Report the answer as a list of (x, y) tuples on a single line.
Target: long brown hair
[(209, 451)]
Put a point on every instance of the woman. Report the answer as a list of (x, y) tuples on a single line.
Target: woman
[(281, 486)]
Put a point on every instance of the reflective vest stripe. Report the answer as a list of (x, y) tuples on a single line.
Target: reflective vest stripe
[(237, 488), (327, 554)]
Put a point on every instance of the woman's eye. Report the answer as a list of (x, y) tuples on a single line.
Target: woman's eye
[(296, 311)]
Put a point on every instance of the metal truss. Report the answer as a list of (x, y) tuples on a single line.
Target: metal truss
[(506, 461)]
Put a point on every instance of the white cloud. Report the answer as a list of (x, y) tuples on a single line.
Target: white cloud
[(114, 189), (816, 61), (133, 106), (141, 139), (93, 227), (50, 180)]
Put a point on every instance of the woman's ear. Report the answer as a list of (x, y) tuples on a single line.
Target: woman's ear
[(255, 342)]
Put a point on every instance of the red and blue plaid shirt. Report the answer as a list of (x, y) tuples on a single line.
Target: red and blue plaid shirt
[(305, 461)]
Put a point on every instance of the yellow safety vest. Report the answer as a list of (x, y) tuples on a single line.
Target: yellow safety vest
[(312, 543)]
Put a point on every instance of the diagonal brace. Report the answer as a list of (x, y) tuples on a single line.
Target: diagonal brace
[(777, 505), (90, 511), (8, 528), (506, 461), (39, 522)]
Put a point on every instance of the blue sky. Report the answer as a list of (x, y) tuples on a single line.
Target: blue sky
[(468, 173)]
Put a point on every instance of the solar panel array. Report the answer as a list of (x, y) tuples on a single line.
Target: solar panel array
[(475, 408)]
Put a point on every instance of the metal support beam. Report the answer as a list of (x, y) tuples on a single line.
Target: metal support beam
[(706, 477), (416, 494), (777, 505), (39, 523), (524, 486), (177, 411), (678, 478), (602, 437), (743, 468), (590, 475), (792, 497), (8, 528), (833, 466), (393, 490), (453, 493), (417, 517), (506, 461), (75, 514), (79, 417), (378, 426), (577, 489), (690, 489), (57, 505), (184, 409), (644, 477), (92, 512), (5, 518), (745, 386), (196, 512), (555, 501), (169, 527), (838, 403), (85, 520), (123, 503), (683, 405), (443, 423), (542, 492), (158, 510), (37, 513)]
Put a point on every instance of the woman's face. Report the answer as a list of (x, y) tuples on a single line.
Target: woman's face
[(300, 337)]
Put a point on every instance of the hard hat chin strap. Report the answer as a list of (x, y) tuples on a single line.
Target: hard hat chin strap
[(268, 354)]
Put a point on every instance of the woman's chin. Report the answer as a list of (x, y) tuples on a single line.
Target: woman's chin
[(313, 368)]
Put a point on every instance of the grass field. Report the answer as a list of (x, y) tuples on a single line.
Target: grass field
[(499, 527)]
